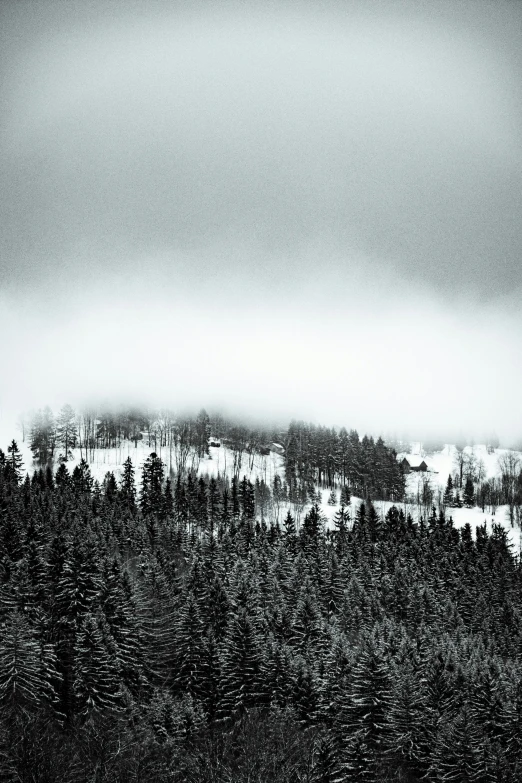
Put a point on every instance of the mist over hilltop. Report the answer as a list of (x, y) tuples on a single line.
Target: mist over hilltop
[(304, 213)]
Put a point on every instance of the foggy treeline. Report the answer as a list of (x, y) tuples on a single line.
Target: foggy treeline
[(315, 456)]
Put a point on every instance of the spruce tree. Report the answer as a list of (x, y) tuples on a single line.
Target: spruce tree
[(341, 521), (368, 713), (81, 478), (243, 683), (448, 492), (345, 496), (305, 693), (26, 668), (66, 431), (469, 493), (96, 685), (152, 484), (127, 486), (43, 436), (307, 622), (326, 767), (188, 675), (14, 463)]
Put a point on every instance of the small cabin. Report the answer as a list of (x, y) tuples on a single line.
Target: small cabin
[(214, 442), (277, 448), (407, 467)]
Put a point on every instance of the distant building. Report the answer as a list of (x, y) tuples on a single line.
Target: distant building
[(409, 468), (277, 448), (214, 442)]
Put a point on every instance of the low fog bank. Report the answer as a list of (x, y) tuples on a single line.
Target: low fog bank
[(360, 349)]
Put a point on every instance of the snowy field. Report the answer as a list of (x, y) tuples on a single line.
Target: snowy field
[(220, 462)]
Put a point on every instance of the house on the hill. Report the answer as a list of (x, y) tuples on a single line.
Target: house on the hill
[(277, 448), (407, 467)]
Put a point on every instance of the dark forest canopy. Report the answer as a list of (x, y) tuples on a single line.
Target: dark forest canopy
[(177, 631)]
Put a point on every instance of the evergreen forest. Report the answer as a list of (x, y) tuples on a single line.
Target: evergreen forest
[(197, 629)]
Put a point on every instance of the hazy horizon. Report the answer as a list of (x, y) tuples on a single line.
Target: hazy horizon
[(284, 212)]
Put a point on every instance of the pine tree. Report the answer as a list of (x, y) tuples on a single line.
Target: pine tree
[(312, 525), (62, 478), (66, 431), (202, 432), (305, 693), (152, 484), (247, 499), (26, 669), (216, 606), (243, 679), (156, 619), (127, 486), (213, 502), (116, 602), (289, 529), (224, 519), (81, 478), (409, 745), (110, 487), (11, 536), (77, 585), (43, 436), (469, 493), (341, 520), (326, 767), (201, 504), (457, 751), (278, 669), (333, 589), (368, 713), (167, 509), (189, 648), (448, 492), (374, 522), (345, 496), (442, 697), (14, 463), (35, 567), (96, 685)]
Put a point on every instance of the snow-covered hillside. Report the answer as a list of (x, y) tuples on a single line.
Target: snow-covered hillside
[(443, 463), (101, 461), (221, 461)]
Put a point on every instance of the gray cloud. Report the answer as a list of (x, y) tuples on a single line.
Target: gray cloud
[(387, 135), (350, 176)]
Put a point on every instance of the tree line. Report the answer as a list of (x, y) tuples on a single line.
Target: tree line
[(314, 455)]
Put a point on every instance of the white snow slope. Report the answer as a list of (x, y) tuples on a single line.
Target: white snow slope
[(440, 465)]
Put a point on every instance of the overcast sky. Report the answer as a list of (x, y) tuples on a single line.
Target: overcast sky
[(308, 210)]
